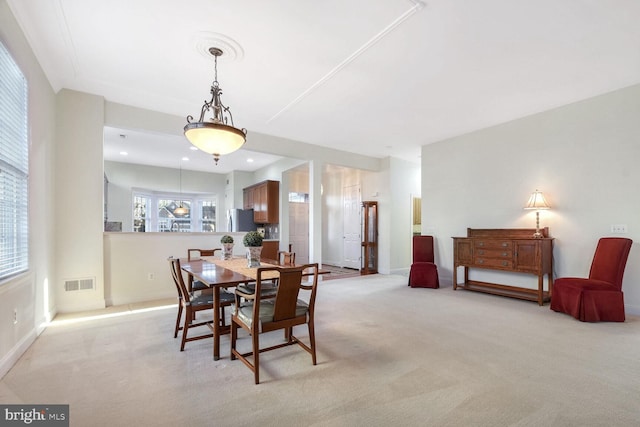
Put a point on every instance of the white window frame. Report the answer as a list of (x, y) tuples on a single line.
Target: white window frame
[(194, 200), (14, 168)]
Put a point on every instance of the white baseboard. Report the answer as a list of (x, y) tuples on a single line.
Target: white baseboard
[(16, 352), (400, 271)]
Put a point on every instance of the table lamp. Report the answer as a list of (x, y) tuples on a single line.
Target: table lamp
[(537, 202)]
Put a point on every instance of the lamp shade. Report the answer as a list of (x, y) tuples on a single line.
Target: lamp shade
[(181, 210), (214, 138), (537, 201)]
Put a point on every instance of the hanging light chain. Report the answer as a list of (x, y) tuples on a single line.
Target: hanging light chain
[(215, 69)]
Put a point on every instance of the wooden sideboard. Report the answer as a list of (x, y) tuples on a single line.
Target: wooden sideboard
[(509, 250)]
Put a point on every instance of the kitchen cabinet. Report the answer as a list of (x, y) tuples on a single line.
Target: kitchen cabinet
[(264, 199)]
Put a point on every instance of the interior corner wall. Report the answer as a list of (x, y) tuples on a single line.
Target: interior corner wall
[(582, 156), (404, 179), (79, 200)]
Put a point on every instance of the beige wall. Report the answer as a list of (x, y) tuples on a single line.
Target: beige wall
[(30, 295), (583, 156), (79, 204), (136, 267)]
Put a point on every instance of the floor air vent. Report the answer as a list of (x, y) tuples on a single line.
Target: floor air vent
[(72, 285)]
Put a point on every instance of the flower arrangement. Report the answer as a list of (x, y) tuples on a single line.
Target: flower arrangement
[(252, 239), (226, 239)]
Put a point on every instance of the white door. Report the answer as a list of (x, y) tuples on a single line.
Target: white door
[(299, 231), (352, 239)]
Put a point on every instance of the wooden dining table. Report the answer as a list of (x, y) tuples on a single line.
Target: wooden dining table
[(217, 273), (215, 277)]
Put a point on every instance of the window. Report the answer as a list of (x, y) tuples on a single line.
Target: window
[(170, 218), (140, 209), (14, 168), (160, 212), (207, 213)]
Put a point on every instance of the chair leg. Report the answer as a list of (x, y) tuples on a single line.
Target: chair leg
[(175, 332), (256, 356), (312, 341), (234, 335), (187, 320)]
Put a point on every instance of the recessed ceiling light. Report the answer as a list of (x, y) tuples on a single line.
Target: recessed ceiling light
[(124, 153), (249, 160), (185, 159), (194, 148)]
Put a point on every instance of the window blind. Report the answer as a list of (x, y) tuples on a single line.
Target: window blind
[(14, 168)]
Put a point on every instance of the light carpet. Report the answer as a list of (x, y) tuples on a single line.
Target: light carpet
[(388, 355)]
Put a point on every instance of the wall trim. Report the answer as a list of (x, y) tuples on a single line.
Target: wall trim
[(16, 352)]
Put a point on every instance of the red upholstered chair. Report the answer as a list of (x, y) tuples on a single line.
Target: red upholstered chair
[(424, 273), (598, 298)]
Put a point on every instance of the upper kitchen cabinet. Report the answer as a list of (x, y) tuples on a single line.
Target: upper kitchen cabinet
[(264, 199)]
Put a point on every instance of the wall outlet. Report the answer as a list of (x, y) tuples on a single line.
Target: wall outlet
[(619, 228), (15, 316), (150, 276)]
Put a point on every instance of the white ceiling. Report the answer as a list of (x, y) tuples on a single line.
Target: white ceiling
[(378, 77)]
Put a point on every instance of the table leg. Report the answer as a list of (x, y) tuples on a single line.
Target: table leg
[(216, 323), (455, 277), (540, 289), (189, 282)]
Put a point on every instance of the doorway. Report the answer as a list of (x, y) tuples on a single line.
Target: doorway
[(299, 230), (351, 224)]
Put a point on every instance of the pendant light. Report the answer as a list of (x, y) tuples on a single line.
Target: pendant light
[(216, 135), (181, 210)]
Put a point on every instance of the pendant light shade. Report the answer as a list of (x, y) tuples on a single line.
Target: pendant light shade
[(214, 138), (181, 210), (216, 135)]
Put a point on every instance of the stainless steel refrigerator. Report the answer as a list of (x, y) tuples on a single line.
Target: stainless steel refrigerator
[(240, 220)]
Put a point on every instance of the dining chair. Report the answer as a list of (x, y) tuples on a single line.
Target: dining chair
[(598, 298), (196, 254), (191, 302), (286, 258), (258, 316)]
